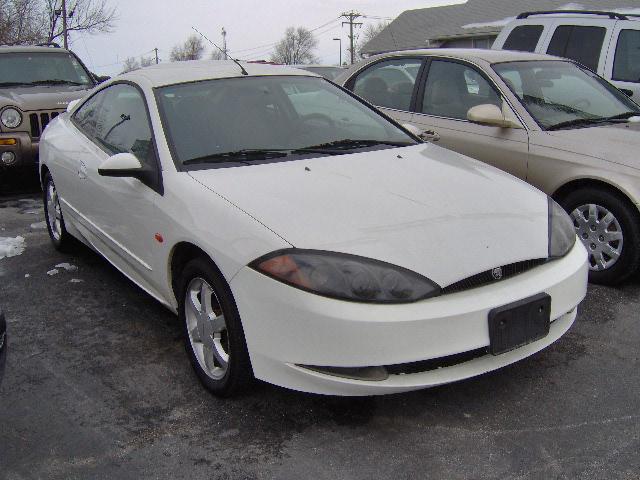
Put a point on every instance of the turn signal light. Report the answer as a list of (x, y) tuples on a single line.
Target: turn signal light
[(8, 141)]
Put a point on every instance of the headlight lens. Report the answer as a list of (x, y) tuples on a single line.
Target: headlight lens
[(562, 233), (346, 277), (11, 118)]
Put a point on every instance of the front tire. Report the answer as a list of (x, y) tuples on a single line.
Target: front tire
[(213, 334), (58, 234), (609, 228)]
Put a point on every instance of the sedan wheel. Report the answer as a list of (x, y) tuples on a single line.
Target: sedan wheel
[(207, 328), (600, 233), (214, 338), (609, 227)]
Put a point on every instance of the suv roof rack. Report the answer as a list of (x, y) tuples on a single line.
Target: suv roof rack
[(611, 15), (48, 44)]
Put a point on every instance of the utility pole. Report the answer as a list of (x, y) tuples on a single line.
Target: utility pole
[(224, 44), (351, 17), (156, 50)]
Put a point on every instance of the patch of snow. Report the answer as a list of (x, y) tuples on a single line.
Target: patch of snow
[(27, 275), (578, 6), (67, 266), (492, 24), (53, 272), (11, 247), (634, 120), (76, 280), (39, 225), (33, 212)]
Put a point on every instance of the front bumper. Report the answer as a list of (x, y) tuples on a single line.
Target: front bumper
[(286, 328), (25, 150)]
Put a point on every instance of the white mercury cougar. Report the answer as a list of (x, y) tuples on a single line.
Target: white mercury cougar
[(303, 237)]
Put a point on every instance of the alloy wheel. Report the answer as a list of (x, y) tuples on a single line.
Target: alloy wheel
[(207, 328), (54, 212), (600, 233)]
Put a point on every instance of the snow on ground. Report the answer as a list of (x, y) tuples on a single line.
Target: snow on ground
[(53, 272), (11, 247), (39, 225), (67, 266)]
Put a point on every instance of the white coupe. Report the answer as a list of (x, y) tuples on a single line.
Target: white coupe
[(304, 238)]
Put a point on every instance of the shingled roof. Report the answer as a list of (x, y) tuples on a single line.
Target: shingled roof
[(475, 18)]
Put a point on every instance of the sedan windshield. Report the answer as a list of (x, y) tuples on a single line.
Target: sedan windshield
[(48, 68), (563, 95), (255, 118)]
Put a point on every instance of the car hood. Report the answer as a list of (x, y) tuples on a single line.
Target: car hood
[(422, 207), (27, 99), (617, 143)]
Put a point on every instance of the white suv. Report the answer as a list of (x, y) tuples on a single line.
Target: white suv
[(606, 42)]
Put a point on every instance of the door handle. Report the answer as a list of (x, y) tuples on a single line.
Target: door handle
[(430, 136)]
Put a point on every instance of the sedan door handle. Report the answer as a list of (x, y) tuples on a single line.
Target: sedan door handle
[(430, 136)]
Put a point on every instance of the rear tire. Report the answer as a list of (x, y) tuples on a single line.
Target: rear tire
[(609, 227), (213, 334), (58, 234)]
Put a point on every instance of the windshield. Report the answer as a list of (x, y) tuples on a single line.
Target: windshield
[(42, 69), (562, 94), (217, 120)]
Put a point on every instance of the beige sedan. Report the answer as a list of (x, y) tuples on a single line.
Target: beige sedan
[(543, 119)]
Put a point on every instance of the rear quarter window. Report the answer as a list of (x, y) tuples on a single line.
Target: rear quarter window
[(580, 43), (626, 66), (523, 38)]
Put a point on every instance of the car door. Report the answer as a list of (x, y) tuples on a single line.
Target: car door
[(623, 60), (447, 91), (389, 84), (120, 212)]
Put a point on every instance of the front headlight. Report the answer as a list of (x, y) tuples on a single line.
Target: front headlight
[(346, 277), (11, 118), (562, 233)]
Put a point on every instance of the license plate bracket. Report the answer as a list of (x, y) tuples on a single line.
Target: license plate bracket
[(519, 323)]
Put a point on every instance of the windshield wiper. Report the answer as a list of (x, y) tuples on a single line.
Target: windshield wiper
[(577, 122), (56, 81), (16, 84), (240, 156), (347, 144)]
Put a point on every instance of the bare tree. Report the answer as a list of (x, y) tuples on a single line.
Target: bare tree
[(217, 55), (130, 64), (191, 49), (22, 22), (296, 47), (147, 61), (367, 35), (90, 16)]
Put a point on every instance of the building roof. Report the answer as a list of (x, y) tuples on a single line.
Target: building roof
[(475, 18)]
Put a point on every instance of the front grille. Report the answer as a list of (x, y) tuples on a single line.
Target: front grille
[(435, 363), (487, 277), (39, 122)]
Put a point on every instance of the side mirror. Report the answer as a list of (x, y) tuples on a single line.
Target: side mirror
[(489, 114), (413, 129), (101, 78), (121, 165)]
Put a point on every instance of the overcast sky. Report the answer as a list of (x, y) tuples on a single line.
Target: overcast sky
[(145, 24)]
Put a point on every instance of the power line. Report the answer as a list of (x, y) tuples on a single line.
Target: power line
[(351, 17)]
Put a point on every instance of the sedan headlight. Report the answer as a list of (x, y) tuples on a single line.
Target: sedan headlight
[(346, 277), (562, 233)]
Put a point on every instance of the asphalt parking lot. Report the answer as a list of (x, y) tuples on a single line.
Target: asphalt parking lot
[(98, 386)]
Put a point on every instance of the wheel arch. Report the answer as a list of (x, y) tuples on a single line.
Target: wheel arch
[(181, 253), (561, 192)]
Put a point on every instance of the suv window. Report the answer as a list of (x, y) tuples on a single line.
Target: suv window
[(523, 38), (46, 68), (580, 43), (453, 88), (389, 83), (626, 66), (117, 119)]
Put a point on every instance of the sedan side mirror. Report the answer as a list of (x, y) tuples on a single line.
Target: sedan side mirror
[(489, 114), (121, 165)]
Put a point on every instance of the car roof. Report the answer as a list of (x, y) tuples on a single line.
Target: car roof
[(30, 49), (197, 70), (489, 56)]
